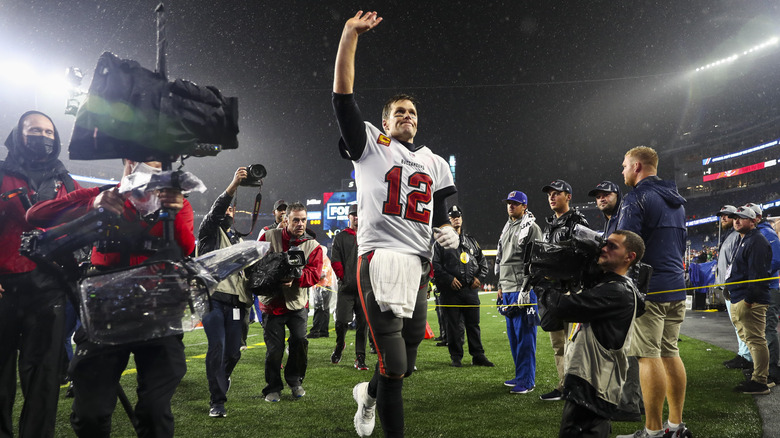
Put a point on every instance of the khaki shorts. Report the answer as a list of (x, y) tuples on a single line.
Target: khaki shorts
[(656, 332)]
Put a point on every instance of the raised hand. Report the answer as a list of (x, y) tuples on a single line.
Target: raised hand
[(362, 23)]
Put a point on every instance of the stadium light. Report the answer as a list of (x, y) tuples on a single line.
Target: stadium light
[(770, 42)]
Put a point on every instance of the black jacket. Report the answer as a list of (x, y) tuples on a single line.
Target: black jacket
[(449, 264), (752, 260), (608, 307), (208, 233), (343, 259), (560, 228)]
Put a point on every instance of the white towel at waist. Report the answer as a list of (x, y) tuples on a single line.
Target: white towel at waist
[(395, 279)]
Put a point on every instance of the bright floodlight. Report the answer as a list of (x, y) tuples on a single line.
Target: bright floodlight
[(772, 41)]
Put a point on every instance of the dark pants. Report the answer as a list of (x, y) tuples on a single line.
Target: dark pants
[(223, 331), (631, 394), (441, 316), (462, 319), (273, 333), (32, 325), (346, 305), (396, 340), (579, 422), (321, 319), (96, 371)]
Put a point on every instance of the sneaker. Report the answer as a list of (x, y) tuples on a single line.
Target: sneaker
[(360, 363), (69, 391), (365, 415), (373, 349), (482, 361), (336, 356), (680, 432), (272, 397), (520, 389), (456, 363), (642, 433), (297, 391), (553, 395), (738, 362), (217, 411), (441, 344), (752, 387), (510, 383)]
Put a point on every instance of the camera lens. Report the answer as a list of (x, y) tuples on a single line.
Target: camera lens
[(256, 171)]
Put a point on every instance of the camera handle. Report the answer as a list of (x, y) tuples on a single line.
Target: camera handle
[(169, 249)]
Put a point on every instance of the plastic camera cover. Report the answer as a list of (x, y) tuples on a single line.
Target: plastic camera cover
[(140, 182), (158, 299), (216, 266)]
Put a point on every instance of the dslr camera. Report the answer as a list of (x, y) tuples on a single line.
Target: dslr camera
[(254, 175)]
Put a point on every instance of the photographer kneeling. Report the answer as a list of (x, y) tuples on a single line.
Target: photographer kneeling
[(289, 306), (600, 338)]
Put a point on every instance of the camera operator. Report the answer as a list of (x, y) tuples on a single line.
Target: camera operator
[(289, 307), (458, 275), (630, 408), (96, 369), (559, 228), (32, 309), (229, 300), (596, 359)]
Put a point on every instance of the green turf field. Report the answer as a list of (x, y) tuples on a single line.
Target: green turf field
[(440, 401)]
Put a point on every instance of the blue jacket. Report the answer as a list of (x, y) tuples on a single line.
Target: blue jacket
[(611, 224), (655, 211), (774, 243), (751, 261)]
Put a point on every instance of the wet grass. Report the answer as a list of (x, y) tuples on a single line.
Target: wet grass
[(440, 401)]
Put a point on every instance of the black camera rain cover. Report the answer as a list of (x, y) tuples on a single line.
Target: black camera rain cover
[(132, 112), (559, 261)]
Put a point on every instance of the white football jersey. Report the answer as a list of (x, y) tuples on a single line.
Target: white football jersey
[(395, 188)]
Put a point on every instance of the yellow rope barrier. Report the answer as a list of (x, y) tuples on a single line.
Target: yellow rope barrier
[(432, 306)]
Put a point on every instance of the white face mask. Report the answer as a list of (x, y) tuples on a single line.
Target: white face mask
[(145, 168)]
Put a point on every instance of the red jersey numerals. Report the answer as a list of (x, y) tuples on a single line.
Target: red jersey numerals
[(393, 206)]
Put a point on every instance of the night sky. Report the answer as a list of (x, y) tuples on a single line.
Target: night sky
[(521, 92)]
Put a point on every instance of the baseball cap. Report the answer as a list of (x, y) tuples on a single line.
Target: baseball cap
[(559, 185), (352, 210), (455, 211), (517, 196), (744, 212), (727, 210), (280, 204), (755, 207), (604, 186)]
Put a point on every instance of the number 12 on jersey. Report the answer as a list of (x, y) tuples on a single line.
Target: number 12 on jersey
[(421, 194)]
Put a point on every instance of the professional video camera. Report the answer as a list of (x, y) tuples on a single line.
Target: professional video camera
[(575, 260), (142, 302), (267, 276), (565, 260)]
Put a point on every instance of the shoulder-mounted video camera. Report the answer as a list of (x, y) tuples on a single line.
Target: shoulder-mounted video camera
[(266, 276), (576, 259)]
